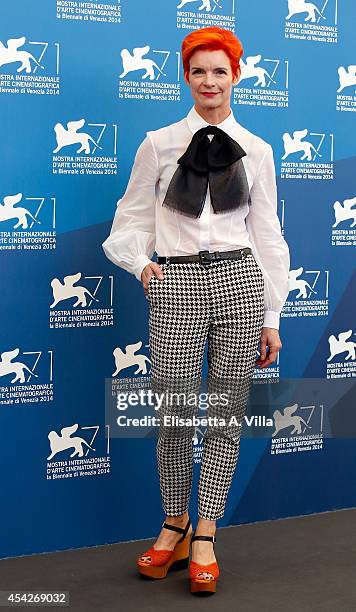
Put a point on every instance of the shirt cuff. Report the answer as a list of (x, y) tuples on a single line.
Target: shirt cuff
[(271, 319), (140, 263)]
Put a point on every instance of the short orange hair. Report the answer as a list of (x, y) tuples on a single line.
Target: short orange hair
[(212, 39)]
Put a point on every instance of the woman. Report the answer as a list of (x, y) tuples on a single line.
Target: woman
[(202, 194)]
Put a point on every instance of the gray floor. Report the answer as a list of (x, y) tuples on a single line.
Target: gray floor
[(299, 564)]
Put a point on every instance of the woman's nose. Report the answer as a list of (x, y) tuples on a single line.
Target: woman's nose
[(209, 80)]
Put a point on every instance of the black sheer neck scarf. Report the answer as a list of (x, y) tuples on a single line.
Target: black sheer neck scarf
[(217, 163)]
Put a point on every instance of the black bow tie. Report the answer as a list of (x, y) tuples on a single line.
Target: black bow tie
[(217, 163)]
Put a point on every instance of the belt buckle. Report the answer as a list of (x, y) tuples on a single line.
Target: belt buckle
[(202, 258)]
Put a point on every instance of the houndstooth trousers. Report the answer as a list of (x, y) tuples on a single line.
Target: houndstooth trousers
[(221, 303)]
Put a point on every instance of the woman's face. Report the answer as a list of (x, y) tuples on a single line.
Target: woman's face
[(211, 80)]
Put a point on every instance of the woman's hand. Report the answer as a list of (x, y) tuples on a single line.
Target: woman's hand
[(269, 337), (152, 269)]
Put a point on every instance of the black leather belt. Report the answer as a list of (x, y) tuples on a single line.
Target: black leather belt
[(205, 257)]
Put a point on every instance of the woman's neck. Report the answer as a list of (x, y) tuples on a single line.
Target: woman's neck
[(213, 116)]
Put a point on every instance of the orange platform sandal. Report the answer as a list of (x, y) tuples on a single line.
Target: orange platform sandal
[(203, 578), (157, 563)]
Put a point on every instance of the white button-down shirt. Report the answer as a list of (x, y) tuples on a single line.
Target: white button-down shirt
[(142, 226)]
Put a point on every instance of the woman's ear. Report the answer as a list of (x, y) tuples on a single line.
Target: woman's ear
[(237, 76), (186, 77)]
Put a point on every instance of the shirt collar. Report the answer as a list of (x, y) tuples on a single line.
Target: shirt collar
[(195, 122)]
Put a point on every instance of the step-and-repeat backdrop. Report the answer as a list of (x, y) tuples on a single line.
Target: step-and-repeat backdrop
[(80, 84)]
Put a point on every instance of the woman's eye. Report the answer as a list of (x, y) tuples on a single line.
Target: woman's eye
[(199, 71)]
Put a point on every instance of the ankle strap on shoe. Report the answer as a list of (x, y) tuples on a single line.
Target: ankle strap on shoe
[(205, 538), (178, 529)]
